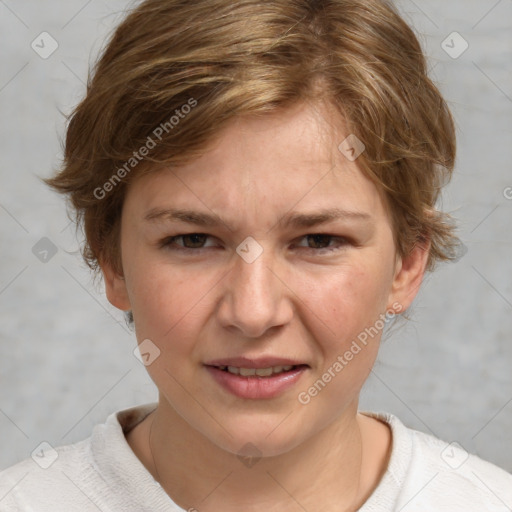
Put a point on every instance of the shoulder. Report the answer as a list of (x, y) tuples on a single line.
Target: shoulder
[(462, 479), (97, 473), (49, 474), (437, 475)]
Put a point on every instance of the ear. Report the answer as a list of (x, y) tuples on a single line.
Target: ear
[(115, 287), (409, 274)]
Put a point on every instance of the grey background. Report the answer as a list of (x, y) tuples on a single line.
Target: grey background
[(66, 355)]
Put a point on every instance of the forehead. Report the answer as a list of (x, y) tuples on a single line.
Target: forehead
[(266, 165)]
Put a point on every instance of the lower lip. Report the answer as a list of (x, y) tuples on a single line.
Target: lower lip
[(256, 387)]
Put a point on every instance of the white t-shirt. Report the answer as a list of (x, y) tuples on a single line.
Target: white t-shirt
[(102, 473)]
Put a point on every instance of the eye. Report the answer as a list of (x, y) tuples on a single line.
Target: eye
[(195, 242), (318, 242), (190, 241)]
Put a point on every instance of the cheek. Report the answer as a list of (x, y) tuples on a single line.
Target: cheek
[(350, 305), (166, 305), (168, 302), (348, 301)]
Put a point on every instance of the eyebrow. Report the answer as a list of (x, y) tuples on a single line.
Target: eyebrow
[(296, 220)]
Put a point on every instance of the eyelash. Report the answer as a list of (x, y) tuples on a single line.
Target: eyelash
[(167, 243)]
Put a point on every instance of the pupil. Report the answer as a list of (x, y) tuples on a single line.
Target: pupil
[(194, 238), (318, 240)]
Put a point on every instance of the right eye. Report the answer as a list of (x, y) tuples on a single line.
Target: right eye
[(189, 242)]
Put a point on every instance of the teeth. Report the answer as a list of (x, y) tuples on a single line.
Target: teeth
[(233, 369), (263, 372), (260, 372), (245, 372)]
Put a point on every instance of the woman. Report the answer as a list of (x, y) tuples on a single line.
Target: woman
[(257, 182)]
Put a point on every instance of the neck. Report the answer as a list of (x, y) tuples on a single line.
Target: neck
[(323, 473)]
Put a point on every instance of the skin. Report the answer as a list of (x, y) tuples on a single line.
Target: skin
[(296, 300)]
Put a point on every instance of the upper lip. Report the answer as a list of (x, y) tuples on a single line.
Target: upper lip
[(262, 362)]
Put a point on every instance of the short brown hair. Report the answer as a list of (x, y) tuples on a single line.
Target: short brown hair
[(207, 61)]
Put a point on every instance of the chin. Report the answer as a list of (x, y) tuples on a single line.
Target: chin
[(259, 438)]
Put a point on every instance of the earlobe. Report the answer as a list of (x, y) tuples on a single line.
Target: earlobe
[(115, 287), (409, 274)]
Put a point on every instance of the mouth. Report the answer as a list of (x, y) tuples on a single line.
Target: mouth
[(260, 372), (256, 379)]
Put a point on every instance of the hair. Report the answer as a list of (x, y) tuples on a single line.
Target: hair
[(175, 72)]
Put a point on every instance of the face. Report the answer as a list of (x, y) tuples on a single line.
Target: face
[(270, 250)]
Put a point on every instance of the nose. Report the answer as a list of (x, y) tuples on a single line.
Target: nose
[(255, 298)]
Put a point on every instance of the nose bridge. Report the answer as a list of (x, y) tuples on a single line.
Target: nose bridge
[(254, 299)]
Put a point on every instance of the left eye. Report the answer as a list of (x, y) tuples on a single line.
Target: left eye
[(323, 241), (193, 241)]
